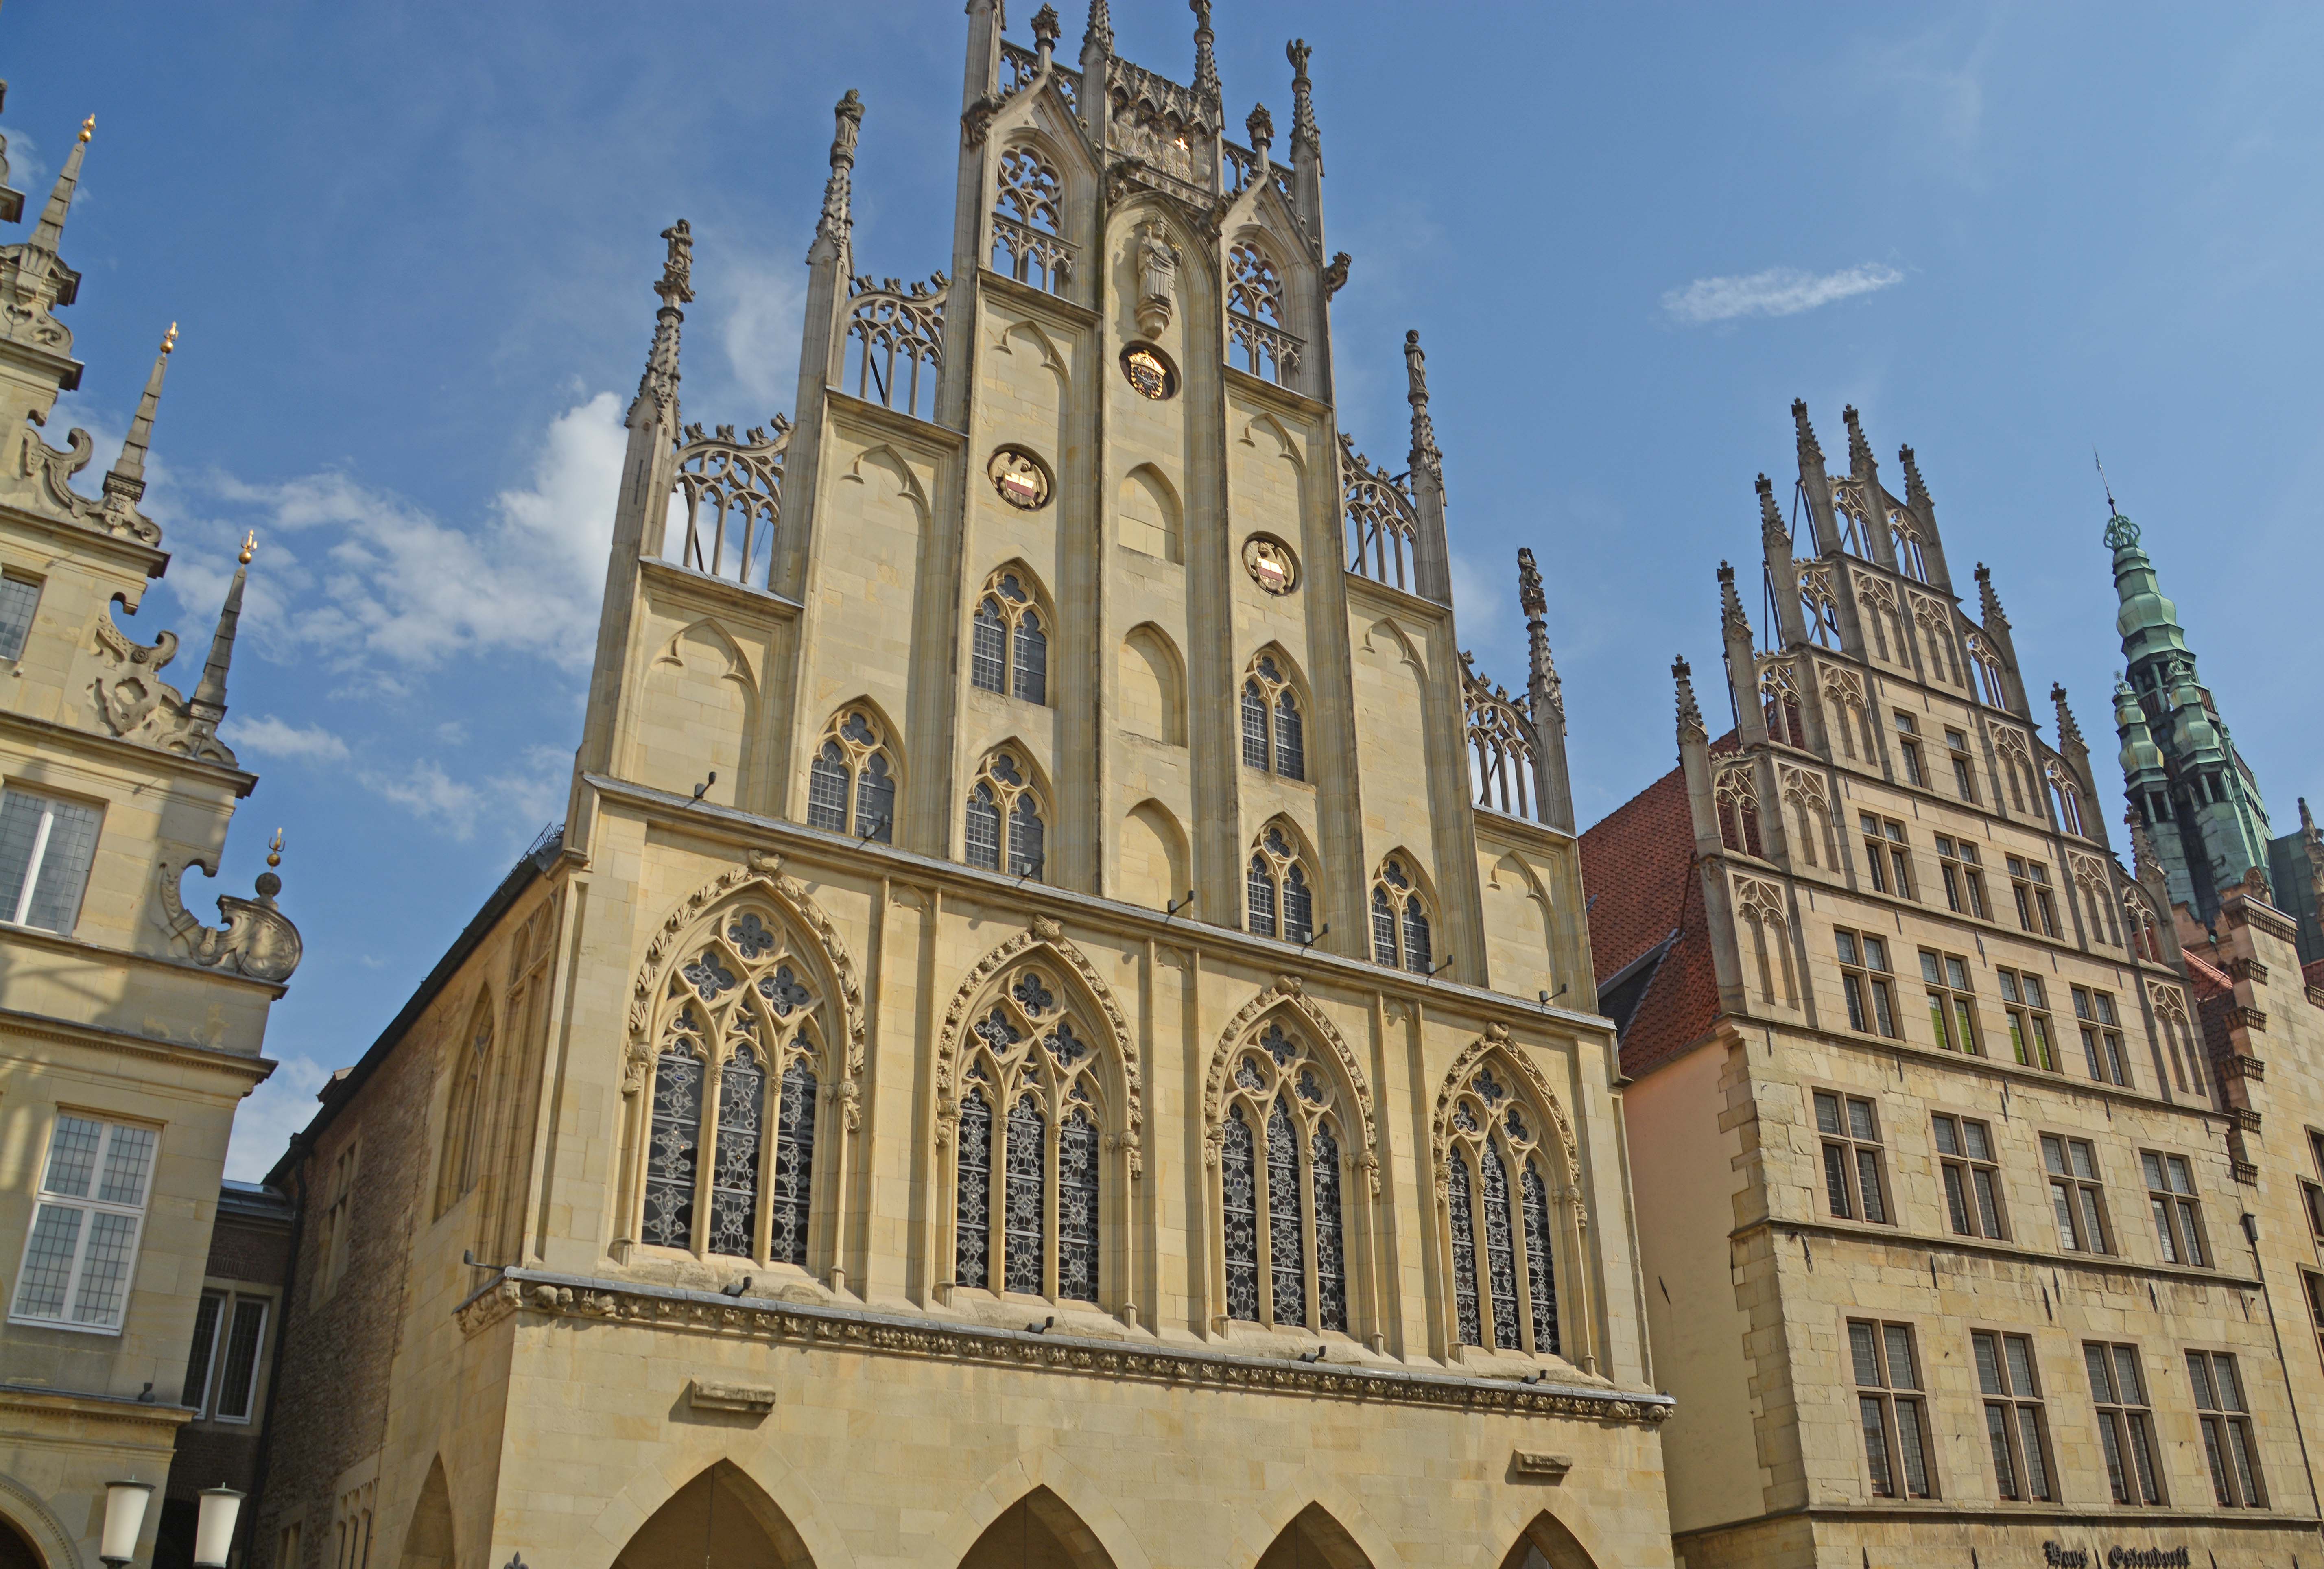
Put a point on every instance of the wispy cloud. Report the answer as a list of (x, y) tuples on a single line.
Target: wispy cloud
[(529, 795), (273, 737), (1777, 291), (274, 1111)]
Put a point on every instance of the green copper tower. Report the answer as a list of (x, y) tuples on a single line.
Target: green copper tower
[(2186, 781)]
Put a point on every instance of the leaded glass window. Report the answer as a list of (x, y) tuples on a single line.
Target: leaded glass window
[(1262, 897), (1008, 638), (787, 1219), (1025, 838), (1507, 1299), (1541, 1273), (1286, 1243), (1290, 737), (1025, 1195), (675, 1144), (1002, 793), (853, 778), (734, 1184), (1273, 738), (1029, 674), (983, 828), (1077, 1145), (972, 1211), (1464, 1257), (1254, 726), (1401, 933), (1500, 1248), (1240, 1184), (1283, 1222), (1331, 1252), (988, 665), (1383, 928), (1281, 900)]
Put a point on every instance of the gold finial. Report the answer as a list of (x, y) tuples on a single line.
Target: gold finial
[(249, 547), (274, 849), (169, 338), (88, 127)]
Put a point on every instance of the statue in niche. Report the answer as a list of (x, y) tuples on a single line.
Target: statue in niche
[(1157, 277)]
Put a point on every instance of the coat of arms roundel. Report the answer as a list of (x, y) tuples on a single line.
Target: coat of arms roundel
[(1021, 478), (1271, 564)]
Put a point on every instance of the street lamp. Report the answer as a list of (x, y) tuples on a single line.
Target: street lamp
[(125, 1521), (213, 1527)]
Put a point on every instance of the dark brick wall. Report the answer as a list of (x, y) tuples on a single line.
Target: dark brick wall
[(242, 1250)]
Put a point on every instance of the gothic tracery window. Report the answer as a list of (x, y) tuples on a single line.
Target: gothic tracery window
[(1026, 243), (1255, 315), (1279, 892), (1497, 1193), (1906, 533), (1987, 665), (1009, 648), (1779, 699), (740, 1043), (456, 1172), (1280, 1181), (1005, 808), (1274, 729), (1736, 798), (1854, 526), (1402, 937), (851, 785), (1038, 1167)]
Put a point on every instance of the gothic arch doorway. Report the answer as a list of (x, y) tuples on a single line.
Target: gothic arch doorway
[(16, 1549), (1038, 1531), (721, 1515), (1314, 1540), (1548, 1545)]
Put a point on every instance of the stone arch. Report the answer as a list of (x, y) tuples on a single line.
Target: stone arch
[(1290, 997), (700, 666), (1153, 687), (469, 1066), (1495, 1043), (17, 1552), (1151, 519), (1546, 1543), (1038, 1531), (27, 1516), (1154, 860), (1314, 1538), (884, 458), (1526, 920), (721, 1512), (1399, 644), (428, 1537), (1044, 350), (1287, 447)]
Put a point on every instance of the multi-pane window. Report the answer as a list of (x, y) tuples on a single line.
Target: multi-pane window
[(1274, 734), (1852, 1181), (1952, 1007), (1972, 1175), (2014, 1424), (1885, 860), (1964, 877), (1004, 806), (1866, 981), (1889, 1404), (46, 846), (1908, 746), (1505, 1292), (1026, 1174), (851, 785), (2075, 1196), (2177, 1217), (83, 1244), (2101, 1029), (1402, 937), (2029, 882), (1279, 890), (730, 1151), (1008, 647), (222, 1367), (2226, 1418), (2125, 1422), (2032, 1040), (2312, 1284), (459, 1164), (1279, 1169), (1964, 770), (19, 599)]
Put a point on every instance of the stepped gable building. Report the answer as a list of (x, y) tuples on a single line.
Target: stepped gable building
[(1942, 1233), (129, 1030), (1056, 1032)]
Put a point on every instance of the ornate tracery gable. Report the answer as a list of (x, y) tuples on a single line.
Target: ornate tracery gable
[(1288, 993), (1495, 1042), (1043, 935)]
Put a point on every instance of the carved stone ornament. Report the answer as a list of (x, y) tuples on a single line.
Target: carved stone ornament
[(1157, 277), (1335, 275), (764, 875), (1021, 479), (136, 705), (116, 514), (1150, 372), (1287, 996), (1042, 936), (257, 940), (1532, 1465), (729, 1400), (1271, 564)]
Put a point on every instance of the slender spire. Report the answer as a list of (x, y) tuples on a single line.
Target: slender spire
[(51, 232), (209, 702), (1810, 454), (1916, 494), (1732, 618), (1547, 688), (1859, 450), (1206, 64), (2146, 864), (1099, 34), (837, 221), (1772, 532), (1424, 453), (1303, 133), (1690, 716), (127, 478), (659, 385), (1989, 602), (2069, 732), (1047, 31)]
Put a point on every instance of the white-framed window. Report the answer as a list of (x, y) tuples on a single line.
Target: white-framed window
[(20, 597), (46, 845), (83, 1245), (222, 1367)]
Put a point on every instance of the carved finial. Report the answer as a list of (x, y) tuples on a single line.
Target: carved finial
[(127, 480), (1099, 34), (1047, 31), (1424, 453), (249, 547), (1989, 602), (847, 123), (1811, 453), (1206, 64), (1730, 604), (2069, 732), (1545, 691), (1916, 494), (677, 284), (1303, 133), (88, 127), (1860, 451), (1530, 597), (209, 701), (1690, 716), (658, 386), (1260, 128), (1771, 522)]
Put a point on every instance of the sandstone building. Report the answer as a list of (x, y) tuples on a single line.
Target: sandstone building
[(1058, 1030), (129, 1030), (1947, 1248)]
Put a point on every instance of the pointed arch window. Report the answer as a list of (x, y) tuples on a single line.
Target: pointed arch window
[(851, 785), (1279, 891), (1906, 532), (2065, 797), (1498, 1195), (1255, 315), (1403, 937), (1779, 698), (1005, 808), (1987, 665), (1849, 513), (1736, 796), (1282, 1205), (1027, 240), (1039, 1167), (456, 1172), (1009, 646), (1822, 607), (1274, 728), (729, 1164)]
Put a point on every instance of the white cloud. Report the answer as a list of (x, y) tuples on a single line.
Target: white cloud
[(1777, 291), (529, 796), (263, 1124), (762, 311), (431, 795), (273, 737)]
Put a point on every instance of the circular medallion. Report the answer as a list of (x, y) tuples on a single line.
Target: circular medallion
[(1020, 477), (1149, 372), (1270, 563)]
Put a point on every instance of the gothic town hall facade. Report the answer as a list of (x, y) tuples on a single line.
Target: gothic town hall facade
[(1030, 1050)]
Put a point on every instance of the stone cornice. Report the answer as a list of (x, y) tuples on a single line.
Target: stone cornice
[(585, 1299), (1280, 400), (2142, 1523), (93, 1407), (44, 1027), (79, 538), (1062, 312), (726, 591), (130, 753), (935, 441), (98, 954)]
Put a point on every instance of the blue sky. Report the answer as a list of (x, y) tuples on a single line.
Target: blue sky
[(410, 246)]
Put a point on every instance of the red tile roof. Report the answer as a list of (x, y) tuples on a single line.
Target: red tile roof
[(1638, 873)]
